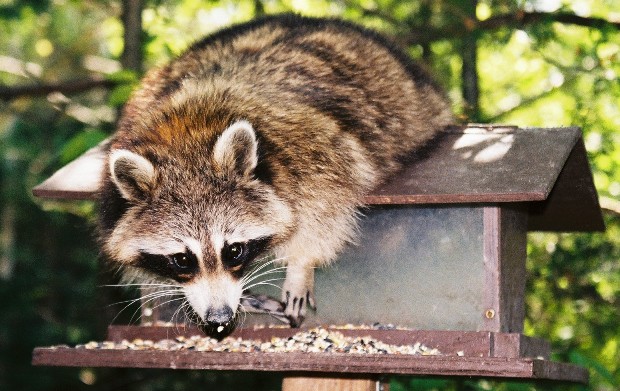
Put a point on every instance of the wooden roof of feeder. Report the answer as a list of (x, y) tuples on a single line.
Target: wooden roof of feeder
[(547, 168)]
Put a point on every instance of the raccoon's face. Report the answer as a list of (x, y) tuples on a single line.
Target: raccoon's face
[(198, 229)]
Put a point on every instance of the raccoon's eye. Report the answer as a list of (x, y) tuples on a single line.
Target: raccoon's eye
[(233, 255), (183, 262), (180, 267)]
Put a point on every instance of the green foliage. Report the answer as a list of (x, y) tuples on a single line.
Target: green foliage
[(543, 73), (126, 81), (80, 143), (573, 293)]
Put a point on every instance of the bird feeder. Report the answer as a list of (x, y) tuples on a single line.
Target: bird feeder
[(440, 262)]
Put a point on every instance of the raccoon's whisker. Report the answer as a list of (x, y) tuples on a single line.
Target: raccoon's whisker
[(183, 307), (141, 300), (149, 295), (145, 302), (264, 273), (133, 316), (120, 312), (186, 308), (266, 283), (261, 269), (197, 321), (237, 321), (159, 295), (131, 302), (142, 304), (262, 266), (242, 317), (124, 308), (265, 261), (248, 286), (149, 285), (168, 301), (176, 313), (147, 298)]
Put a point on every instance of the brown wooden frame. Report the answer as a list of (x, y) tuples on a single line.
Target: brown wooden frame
[(505, 232), (483, 354)]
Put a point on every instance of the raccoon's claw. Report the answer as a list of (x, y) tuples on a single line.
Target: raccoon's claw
[(298, 293), (295, 307), (311, 301)]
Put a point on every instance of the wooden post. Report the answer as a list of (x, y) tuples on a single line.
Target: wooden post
[(318, 383), (505, 231)]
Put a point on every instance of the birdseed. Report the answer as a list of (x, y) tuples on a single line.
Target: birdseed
[(317, 340)]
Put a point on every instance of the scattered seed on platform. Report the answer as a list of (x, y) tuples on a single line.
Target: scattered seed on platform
[(317, 340)]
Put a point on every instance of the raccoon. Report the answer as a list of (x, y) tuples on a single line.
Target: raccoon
[(260, 139)]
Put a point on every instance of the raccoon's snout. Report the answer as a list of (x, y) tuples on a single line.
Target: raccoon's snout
[(213, 304), (217, 322), (217, 317)]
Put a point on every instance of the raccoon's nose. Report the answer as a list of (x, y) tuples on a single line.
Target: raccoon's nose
[(219, 316)]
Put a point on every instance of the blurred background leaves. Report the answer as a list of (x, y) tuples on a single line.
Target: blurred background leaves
[(64, 74)]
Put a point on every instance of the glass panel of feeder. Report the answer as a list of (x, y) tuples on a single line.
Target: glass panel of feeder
[(418, 267)]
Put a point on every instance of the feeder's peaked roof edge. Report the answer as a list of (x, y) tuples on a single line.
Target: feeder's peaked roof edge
[(547, 168)]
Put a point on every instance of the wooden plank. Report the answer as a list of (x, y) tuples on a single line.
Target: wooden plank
[(516, 345), (78, 180), (504, 264), (566, 372), (313, 362), (319, 383), (573, 202), (491, 255), (483, 164)]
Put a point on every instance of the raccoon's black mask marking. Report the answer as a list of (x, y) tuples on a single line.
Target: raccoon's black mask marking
[(181, 267), (236, 256)]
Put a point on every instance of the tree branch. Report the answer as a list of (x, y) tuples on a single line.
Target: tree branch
[(413, 36), (610, 205), (526, 101), (469, 70), (518, 19), (65, 87), (522, 18), (132, 23)]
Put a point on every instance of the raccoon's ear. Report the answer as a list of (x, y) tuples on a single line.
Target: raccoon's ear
[(133, 175), (236, 149)]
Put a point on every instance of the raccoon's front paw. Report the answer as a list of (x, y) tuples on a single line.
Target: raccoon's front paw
[(298, 294)]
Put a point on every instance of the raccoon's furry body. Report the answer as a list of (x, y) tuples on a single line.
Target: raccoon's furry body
[(261, 138)]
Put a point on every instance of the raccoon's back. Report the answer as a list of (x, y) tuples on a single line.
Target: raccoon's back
[(316, 90)]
